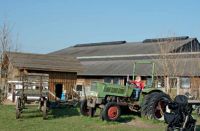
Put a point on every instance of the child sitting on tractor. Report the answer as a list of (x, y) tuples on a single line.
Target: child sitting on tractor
[(139, 86)]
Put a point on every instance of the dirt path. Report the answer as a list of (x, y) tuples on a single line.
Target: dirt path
[(141, 124)]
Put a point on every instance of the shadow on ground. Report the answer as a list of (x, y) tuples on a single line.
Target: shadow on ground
[(53, 113), (126, 119), (30, 112), (25, 116), (63, 112), (127, 115), (127, 111)]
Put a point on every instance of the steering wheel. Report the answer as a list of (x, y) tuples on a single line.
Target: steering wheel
[(129, 83)]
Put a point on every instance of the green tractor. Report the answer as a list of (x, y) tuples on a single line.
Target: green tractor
[(111, 98)]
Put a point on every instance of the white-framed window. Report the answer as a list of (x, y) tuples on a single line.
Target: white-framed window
[(185, 82)]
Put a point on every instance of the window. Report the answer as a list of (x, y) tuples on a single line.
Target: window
[(173, 82), (148, 82), (161, 83), (10, 88), (37, 87), (107, 79), (185, 82), (116, 80), (79, 87)]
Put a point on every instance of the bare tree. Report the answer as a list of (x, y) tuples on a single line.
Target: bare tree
[(6, 45), (175, 66)]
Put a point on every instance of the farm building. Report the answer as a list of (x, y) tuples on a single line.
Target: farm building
[(58, 74), (177, 61)]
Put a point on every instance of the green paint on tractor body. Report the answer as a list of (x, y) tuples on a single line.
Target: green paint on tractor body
[(110, 97), (107, 89)]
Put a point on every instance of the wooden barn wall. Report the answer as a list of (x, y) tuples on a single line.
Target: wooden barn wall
[(193, 90), (68, 80), (195, 87), (87, 80)]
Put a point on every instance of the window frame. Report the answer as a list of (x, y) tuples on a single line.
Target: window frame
[(188, 84), (177, 80), (116, 80), (107, 78)]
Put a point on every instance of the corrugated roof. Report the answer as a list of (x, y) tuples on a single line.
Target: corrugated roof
[(142, 56), (44, 62), (128, 48), (117, 59), (171, 67)]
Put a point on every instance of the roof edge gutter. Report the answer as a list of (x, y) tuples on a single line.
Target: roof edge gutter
[(136, 55)]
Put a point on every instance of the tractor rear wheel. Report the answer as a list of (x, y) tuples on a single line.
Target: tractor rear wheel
[(85, 110), (154, 105), (111, 111)]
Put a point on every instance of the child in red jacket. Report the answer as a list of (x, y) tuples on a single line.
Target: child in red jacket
[(139, 86)]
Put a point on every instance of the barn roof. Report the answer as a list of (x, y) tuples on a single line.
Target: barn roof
[(44, 62), (183, 64), (116, 58), (148, 46)]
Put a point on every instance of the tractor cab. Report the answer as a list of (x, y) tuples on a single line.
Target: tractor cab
[(145, 70)]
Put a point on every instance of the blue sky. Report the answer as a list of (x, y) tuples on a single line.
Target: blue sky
[(44, 26)]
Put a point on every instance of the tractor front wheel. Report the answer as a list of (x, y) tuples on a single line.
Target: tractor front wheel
[(111, 111)]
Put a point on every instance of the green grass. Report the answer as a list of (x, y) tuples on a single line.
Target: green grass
[(69, 119)]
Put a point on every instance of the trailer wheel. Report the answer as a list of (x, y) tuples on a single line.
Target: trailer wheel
[(18, 106), (154, 105), (111, 111), (44, 110)]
